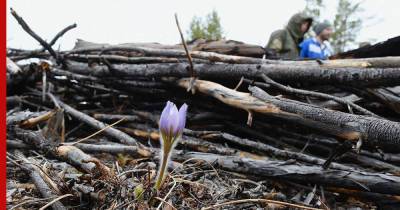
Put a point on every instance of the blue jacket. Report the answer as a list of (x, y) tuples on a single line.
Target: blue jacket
[(312, 49)]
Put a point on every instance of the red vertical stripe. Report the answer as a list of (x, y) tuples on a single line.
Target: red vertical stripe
[(3, 105)]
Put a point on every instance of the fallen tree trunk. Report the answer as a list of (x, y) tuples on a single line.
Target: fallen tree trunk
[(224, 51), (389, 47), (227, 47), (287, 73), (372, 182), (145, 51)]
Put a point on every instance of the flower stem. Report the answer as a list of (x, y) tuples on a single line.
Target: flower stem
[(163, 168)]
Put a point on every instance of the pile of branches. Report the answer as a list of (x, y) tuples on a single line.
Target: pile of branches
[(82, 129)]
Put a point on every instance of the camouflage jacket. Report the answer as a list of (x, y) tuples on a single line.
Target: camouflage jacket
[(285, 42)]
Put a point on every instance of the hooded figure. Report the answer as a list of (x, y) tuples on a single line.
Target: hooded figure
[(285, 42)]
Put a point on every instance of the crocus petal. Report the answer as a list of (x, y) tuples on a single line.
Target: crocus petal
[(164, 117), (173, 119), (182, 118)]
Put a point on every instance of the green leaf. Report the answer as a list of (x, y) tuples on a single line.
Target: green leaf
[(138, 192)]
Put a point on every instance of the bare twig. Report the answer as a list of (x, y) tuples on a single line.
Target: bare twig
[(55, 200), (29, 201), (166, 196), (239, 84), (191, 68), (163, 201), (97, 132), (95, 123), (185, 47), (61, 33), (26, 28)]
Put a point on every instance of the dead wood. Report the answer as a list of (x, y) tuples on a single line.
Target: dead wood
[(45, 45), (117, 92), (281, 73), (71, 154), (275, 152), (372, 182), (116, 117), (26, 118), (122, 59), (16, 75), (16, 144), (40, 183), (389, 47), (112, 149), (121, 136), (316, 94), (12, 68), (226, 51), (348, 126), (374, 130)]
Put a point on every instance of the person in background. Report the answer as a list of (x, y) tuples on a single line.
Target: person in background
[(284, 43), (317, 47)]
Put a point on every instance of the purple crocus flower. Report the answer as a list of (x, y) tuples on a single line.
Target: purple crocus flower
[(172, 123)]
